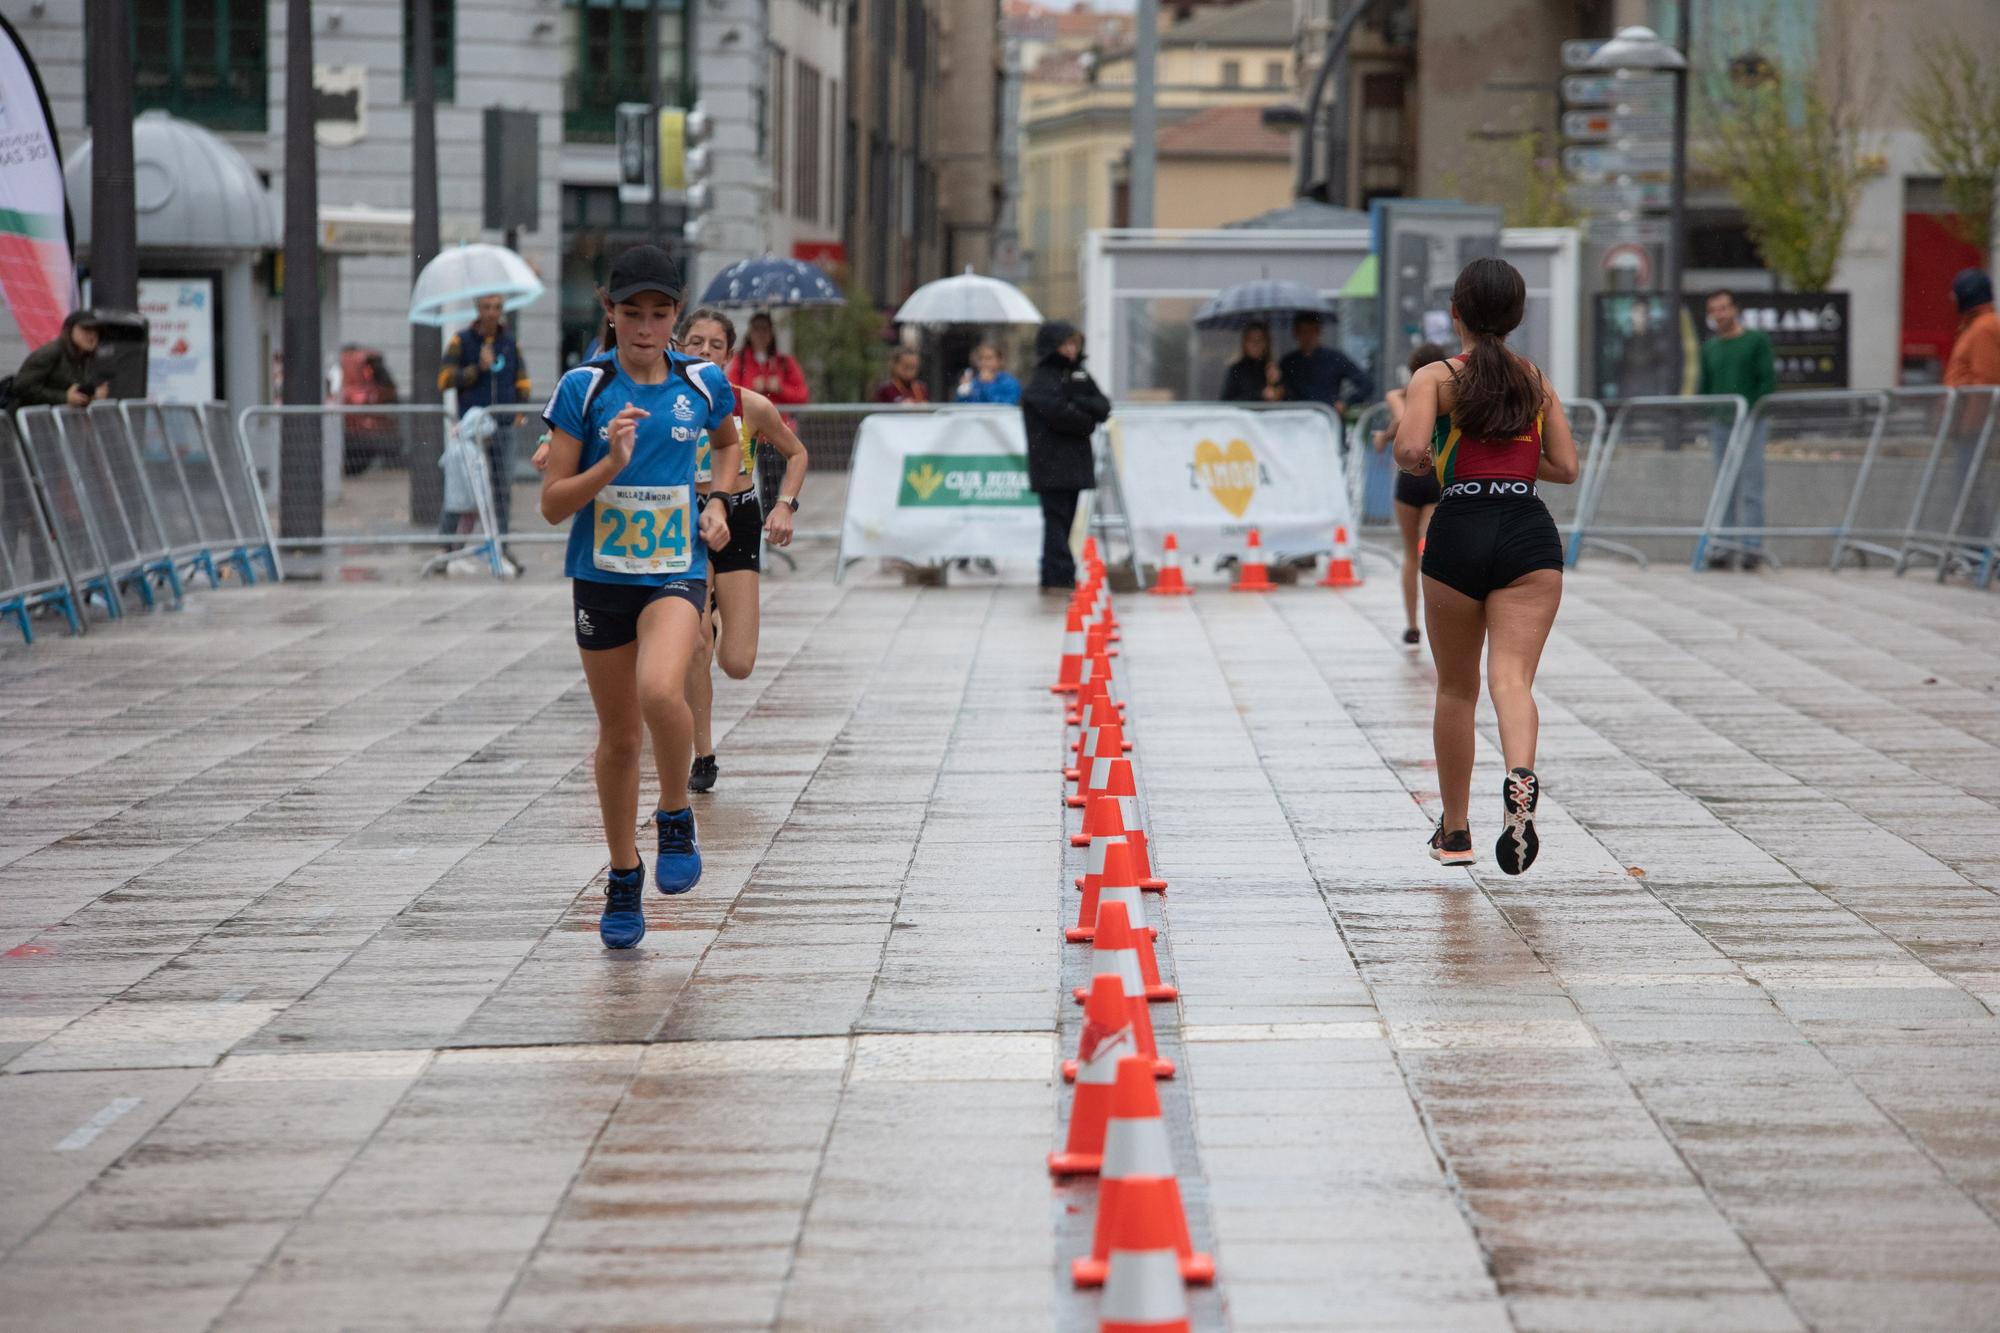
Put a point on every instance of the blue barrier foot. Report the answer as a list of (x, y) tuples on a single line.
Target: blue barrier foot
[(19, 611)]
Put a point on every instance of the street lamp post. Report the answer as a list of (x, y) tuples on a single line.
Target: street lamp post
[(1641, 49)]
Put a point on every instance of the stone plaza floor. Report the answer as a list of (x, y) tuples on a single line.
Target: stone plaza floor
[(304, 1023)]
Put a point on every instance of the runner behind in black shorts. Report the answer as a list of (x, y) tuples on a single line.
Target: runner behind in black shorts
[(710, 335), (1488, 426), (1415, 496)]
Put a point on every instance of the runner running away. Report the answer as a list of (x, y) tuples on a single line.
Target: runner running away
[(1488, 425), (1416, 496), (709, 337), (622, 438)]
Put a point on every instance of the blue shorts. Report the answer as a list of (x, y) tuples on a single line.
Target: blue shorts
[(607, 614)]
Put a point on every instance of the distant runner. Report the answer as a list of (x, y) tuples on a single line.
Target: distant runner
[(733, 590)]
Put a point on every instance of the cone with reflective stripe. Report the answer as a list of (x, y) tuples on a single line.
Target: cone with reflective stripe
[(1105, 740), (1171, 583), (1090, 550), (1097, 639), (1144, 1293), (1118, 884), (1137, 1191), (1107, 1038), (1102, 777), (1096, 695), (1071, 670), (1117, 955), (1254, 575), (1340, 565), (1109, 819)]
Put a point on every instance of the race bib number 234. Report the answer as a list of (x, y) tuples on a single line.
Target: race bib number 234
[(643, 530)]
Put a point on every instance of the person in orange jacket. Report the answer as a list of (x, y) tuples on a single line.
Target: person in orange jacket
[(1975, 353)]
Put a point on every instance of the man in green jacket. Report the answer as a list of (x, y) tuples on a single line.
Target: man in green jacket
[(62, 372), (1739, 360)]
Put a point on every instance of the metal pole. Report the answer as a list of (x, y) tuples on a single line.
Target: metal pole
[(425, 355), (655, 217), (114, 244), (1335, 55), (1677, 199), (300, 514), (1145, 118)]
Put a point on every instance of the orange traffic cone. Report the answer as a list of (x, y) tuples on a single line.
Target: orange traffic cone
[(1136, 1187), (1340, 565), (1106, 740), (1102, 777), (1090, 550), (1107, 1038), (1143, 1293), (1109, 819), (1116, 884), (1094, 705), (1254, 575), (1117, 954), (1071, 670), (1171, 583), (1097, 639)]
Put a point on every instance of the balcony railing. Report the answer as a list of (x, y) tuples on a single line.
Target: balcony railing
[(590, 106)]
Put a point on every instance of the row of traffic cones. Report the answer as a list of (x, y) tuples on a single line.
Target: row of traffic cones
[(1252, 573), (1141, 1252)]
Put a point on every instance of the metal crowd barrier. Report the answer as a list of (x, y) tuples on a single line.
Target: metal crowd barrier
[(117, 501), (33, 573), (391, 474), (1954, 519), (1818, 447), (1649, 484)]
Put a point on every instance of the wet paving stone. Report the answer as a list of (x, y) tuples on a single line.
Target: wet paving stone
[(304, 1023)]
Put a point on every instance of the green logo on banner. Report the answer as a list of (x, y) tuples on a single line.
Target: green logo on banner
[(959, 480)]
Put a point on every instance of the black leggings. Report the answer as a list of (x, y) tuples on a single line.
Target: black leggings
[(1058, 516)]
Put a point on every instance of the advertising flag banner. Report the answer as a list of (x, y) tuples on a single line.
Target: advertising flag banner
[(36, 269)]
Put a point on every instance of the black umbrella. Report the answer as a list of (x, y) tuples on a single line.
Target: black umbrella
[(771, 281), (1258, 301)]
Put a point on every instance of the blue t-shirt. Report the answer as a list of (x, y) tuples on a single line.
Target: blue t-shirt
[(1002, 388), (641, 528)]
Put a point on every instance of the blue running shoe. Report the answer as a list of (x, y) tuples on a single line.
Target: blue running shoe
[(624, 921), (679, 866)]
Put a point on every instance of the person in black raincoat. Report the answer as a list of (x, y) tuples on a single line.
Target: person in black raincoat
[(1062, 407)]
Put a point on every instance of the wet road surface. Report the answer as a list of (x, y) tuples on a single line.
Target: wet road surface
[(304, 1024)]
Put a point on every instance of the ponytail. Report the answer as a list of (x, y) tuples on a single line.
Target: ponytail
[(1499, 394)]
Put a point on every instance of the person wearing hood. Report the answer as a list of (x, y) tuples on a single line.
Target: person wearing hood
[(1975, 353), (62, 372), (1062, 408)]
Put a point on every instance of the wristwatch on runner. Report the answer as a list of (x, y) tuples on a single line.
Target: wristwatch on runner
[(791, 500)]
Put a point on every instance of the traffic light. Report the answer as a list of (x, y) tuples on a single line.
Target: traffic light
[(696, 128)]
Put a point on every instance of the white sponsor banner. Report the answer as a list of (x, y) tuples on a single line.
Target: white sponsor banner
[(180, 356), (1210, 473), (36, 273), (941, 485)]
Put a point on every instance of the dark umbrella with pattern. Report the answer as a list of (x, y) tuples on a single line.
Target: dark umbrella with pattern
[(770, 283)]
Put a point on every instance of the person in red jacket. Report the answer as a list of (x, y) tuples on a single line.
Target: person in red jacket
[(762, 368)]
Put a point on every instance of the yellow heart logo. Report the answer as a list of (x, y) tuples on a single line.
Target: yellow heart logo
[(1230, 475)]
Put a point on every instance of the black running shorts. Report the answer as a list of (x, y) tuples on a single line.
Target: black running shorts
[(607, 614), (1477, 543), (745, 548), (1417, 490)]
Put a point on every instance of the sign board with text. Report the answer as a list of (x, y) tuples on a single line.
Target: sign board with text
[(1208, 474), (944, 485), (181, 348), (1808, 333)]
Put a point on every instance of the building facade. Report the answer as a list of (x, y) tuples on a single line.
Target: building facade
[(790, 125), (1217, 67)]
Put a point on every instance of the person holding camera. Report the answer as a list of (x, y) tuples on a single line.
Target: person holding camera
[(63, 372)]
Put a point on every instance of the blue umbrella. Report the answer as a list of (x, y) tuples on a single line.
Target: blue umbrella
[(770, 282), (1258, 301)]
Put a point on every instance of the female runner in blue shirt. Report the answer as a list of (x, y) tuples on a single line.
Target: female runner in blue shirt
[(623, 431)]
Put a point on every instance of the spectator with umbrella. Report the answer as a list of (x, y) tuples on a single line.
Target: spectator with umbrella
[(985, 380), (1253, 376), (759, 366), (1314, 373)]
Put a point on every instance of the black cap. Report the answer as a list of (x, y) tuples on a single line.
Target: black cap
[(644, 268), (1971, 289)]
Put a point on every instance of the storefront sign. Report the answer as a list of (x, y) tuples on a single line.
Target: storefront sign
[(1808, 333)]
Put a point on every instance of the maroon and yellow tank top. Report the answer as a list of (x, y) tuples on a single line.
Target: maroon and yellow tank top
[(1459, 458)]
